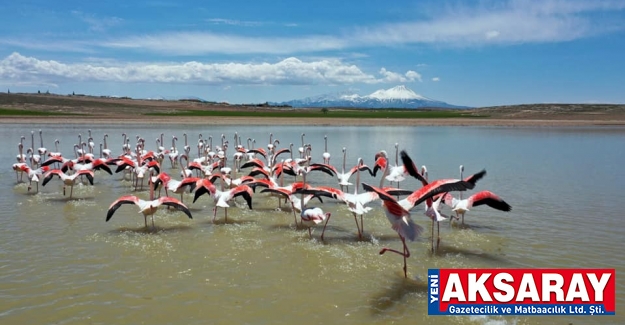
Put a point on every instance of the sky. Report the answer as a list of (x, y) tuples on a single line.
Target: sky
[(474, 53)]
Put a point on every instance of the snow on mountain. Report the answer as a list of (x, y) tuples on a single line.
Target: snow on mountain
[(399, 92), (396, 97)]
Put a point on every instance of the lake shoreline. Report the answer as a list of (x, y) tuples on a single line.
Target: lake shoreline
[(249, 120)]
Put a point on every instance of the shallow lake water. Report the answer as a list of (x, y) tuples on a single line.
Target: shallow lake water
[(61, 263)]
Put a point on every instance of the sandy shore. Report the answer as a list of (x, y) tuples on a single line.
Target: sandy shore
[(93, 120)]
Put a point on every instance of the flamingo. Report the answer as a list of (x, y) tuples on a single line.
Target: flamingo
[(396, 173), (147, 208), (302, 148), (34, 174), (106, 152), (222, 197), (460, 207), (174, 185), (433, 212), (355, 201), (344, 177), (437, 187), (326, 154), (42, 150), (35, 159), (68, 180), (173, 153), (313, 215), (21, 158), (400, 222)]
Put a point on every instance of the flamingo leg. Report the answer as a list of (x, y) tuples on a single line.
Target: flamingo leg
[(362, 225), (405, 253), (463, 218), (324, 226), (294, 215), (432, 236), (438, 235), (214, 214), (357, 226), (153, 222), (145, 219), (310, 232), (226, 215)]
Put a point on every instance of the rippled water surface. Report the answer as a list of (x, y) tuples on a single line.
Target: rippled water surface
[(61, 263)]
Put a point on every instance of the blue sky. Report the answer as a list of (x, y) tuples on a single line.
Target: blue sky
[(476, 53)]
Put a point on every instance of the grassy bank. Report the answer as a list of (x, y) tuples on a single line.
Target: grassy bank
[(25, 112), (342, 113)]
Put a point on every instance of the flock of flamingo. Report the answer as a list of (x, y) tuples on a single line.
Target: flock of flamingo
[(211, 173)]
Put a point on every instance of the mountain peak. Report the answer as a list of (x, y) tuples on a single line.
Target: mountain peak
[(396, 97), (397, 92)]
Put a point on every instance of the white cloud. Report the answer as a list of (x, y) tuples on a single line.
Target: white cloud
[(509, 23), (488, 22), (197, 43), (97, 24), (435, 79), (220, 21), (413, 75), (292, 71), (394, 77)]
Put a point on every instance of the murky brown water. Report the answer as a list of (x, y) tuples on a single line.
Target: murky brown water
[(61, 263)]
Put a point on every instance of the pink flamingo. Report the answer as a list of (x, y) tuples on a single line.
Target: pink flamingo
[(147, 208), (460, 207), (400, 222), (222, 197), (68, 180)]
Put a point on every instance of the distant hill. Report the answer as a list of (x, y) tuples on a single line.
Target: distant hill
[(396, 97)]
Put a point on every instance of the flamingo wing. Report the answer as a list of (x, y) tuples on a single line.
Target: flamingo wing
[(128, 199), (401, 221), (203, 186), (174, 203), (396, 191), (490, 199), (260, 182), (254, 163), (319, 191), (52, 160), (259, 151), (259, 171), (244, 191), (154, 165), (442, 186), (88, 173), (279, 152), (330, 170), (282, 191), (411, 168), (191, 182), (48, 176), (380, 192), (100, 164)]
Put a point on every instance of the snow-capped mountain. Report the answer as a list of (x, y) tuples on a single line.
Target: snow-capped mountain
[(396, 97)]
